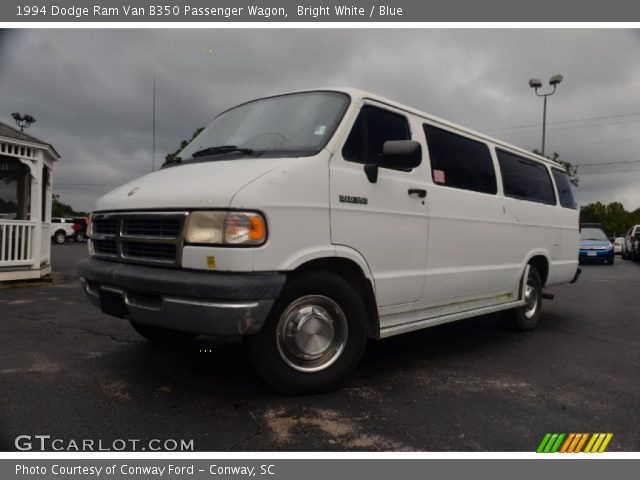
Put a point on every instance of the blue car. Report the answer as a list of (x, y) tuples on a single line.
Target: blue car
[(595, 246)]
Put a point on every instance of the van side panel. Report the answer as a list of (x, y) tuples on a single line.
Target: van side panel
[(466, 240)]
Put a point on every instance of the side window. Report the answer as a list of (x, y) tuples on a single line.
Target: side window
[(525, 179), (372, 128), (460, 162), (564, 188)]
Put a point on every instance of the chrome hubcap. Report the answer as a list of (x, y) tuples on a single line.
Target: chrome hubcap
[(312, 333), (530, 299)]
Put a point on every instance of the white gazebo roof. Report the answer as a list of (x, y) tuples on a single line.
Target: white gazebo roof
[(15, 136)]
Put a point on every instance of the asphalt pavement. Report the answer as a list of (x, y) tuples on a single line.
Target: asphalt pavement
[(68, 371)]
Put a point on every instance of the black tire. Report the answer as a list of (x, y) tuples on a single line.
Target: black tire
[(60, 237), (272, 351), (163, 336), (610, 261), (521, 319)]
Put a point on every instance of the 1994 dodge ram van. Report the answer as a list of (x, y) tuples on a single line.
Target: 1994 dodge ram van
[(311, 221)]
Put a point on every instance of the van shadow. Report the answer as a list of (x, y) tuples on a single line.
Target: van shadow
[(212, 366)]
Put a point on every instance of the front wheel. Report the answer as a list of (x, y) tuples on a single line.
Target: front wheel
[(526, 317), (314, 336), (163, 336)]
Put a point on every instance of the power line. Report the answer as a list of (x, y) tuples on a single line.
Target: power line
[(620, 140), (605, 163), (611, 172), (622, 115), (572, 127)]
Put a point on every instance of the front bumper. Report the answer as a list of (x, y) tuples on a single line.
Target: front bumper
[(212, 303), (595, 255)]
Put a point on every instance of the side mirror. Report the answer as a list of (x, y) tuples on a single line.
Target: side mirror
[(401, 154), (396, 155)]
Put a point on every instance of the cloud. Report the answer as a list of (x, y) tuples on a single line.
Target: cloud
[(91, 89)]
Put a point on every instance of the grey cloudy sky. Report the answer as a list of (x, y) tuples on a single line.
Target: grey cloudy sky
[(90, 90)]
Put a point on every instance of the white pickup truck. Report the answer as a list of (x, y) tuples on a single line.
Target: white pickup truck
[(61, 229)]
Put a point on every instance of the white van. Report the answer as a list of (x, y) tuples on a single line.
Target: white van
[(311, 221)]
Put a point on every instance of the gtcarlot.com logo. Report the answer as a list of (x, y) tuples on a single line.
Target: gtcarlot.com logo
[(43, 443), (574, 442)]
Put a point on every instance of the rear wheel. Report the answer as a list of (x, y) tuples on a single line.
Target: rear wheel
[(163, 336), (314, 337), (526, 317)]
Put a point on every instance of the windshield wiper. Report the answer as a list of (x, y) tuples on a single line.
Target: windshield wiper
[(221, 149)]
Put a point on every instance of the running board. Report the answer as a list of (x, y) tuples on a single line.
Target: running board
[(452, 317)]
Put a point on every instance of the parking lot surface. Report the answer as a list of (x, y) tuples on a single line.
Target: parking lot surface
[(68, 371)]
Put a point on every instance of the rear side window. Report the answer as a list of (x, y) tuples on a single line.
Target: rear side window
[(565, 193), (525, 179), (460, 162), (372, 128)]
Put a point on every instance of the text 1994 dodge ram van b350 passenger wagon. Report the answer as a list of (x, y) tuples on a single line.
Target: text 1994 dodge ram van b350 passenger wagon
[(312, 221)]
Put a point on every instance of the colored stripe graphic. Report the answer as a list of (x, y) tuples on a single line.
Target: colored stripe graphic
[(598, 442), (574, 442)]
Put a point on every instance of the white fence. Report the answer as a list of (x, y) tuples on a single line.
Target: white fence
[(16, 243)]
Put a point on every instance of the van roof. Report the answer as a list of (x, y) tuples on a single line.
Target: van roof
[(357, 94)]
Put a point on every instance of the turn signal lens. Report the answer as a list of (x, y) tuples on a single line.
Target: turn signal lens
[(245, 228)]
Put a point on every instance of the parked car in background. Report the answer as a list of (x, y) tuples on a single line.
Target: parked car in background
[(61, 229), (630, 244), (595, 246), (618, 242), (80, 229)]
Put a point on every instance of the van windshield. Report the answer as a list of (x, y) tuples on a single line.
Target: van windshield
[(298, 124)]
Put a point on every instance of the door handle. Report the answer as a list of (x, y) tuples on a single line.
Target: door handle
[(421, 192)]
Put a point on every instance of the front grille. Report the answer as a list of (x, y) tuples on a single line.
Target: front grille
[(152, 227), (139, 237), (159, 251), (105, 226), (105, 247)]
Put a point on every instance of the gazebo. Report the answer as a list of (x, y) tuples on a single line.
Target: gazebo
[(25, 205)]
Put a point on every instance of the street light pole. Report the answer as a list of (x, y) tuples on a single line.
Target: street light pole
[(536, 84), (544, 121)]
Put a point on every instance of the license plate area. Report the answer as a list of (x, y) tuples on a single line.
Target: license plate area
[(112, 303), (592, 254)]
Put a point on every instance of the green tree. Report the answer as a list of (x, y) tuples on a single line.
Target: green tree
[(615, 220), (170, 157), (572, 170), (59, 209)]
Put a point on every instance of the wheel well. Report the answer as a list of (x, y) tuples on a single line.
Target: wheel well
[(351, 272), (542, 266)]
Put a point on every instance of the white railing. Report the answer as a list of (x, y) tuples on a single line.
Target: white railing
[(16, 243)]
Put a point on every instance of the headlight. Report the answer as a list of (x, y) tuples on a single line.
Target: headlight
[(90, 226), (230, 228)]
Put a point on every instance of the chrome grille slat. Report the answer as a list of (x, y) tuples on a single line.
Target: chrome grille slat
[(139, 237)]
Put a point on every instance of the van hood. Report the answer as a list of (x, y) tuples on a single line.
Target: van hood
[(192, 185)]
